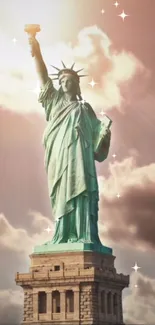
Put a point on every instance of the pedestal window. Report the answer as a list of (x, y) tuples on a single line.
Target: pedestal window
[(42, 302), (56, 301), (102, 297), (115, 305), (69, 301), (109, 303)]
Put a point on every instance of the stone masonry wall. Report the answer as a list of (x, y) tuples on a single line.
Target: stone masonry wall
[(89, 303), (28, 305)]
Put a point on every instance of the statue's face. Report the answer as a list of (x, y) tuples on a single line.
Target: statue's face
[(67, 84)]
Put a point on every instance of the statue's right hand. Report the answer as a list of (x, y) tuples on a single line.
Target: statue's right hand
[(34, 46)]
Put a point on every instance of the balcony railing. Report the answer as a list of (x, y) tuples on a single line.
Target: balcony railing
[(47, 274)]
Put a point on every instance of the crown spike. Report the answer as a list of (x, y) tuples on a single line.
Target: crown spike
[(83, 75), (53, 74), (63, 65), (79, 70), (55, 67), (72, 66)]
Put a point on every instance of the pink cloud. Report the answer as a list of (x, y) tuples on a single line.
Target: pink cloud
[(139, 304), (129, 219)]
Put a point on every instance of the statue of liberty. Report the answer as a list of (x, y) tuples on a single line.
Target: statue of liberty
[(73, 140)]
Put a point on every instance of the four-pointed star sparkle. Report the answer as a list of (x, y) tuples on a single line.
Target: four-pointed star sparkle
[(14, 40), (116, 4), (123, 15), (136, 267), (102, 113), (36, 90), (92, 83), (48, 229)]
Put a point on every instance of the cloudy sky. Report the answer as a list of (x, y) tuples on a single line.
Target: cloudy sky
[(120, 56)]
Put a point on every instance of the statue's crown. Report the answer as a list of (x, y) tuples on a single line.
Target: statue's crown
[(66, 70)]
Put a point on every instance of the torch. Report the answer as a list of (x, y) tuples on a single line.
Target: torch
[(31, 30)]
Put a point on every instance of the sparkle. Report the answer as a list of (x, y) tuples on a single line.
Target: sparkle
[(116, 4), (118, 195), (114, 155), (136, 286), (82, 101), (135, 267), (92, 83), (123, 15), (102, 11), (102, 113), (14, 40), (48, 229), (36, 90)]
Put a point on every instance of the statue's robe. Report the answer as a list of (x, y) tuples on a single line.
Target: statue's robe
[(70, 165)]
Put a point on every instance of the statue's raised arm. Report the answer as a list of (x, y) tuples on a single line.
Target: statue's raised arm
[(39, 62), (48, 91), (31, 30)]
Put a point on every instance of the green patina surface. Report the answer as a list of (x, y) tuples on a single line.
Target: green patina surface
[(74, 247), (70, 141)]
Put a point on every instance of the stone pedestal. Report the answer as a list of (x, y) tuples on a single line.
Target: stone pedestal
[(72, 288)]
